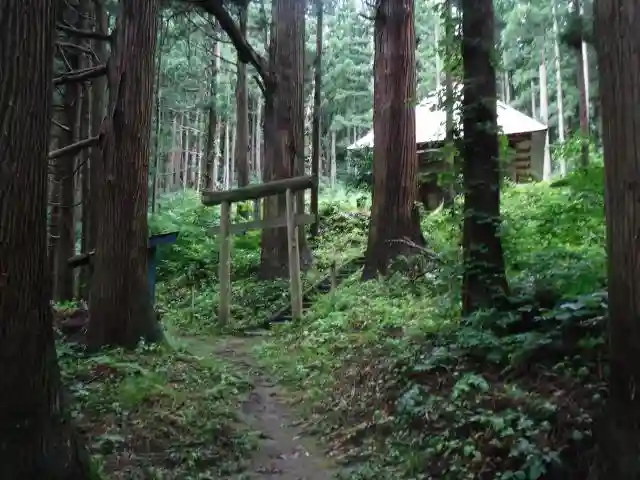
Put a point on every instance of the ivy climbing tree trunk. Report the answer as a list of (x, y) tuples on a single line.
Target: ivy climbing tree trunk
[(121, 311), (241, 150), (484, 280), (284, 132), (37, 440), (618, 49), (394, 218)]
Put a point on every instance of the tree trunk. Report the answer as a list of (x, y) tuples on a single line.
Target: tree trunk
[(317, 114), (333, 168), (186, 150), (63, 284), (436, 41), (258, 139), (241, 150), (227, 156), (85, 159), (534, 112), (98, 108), (544, 115), (618, 49), (484, 280), (158, 122), (37, 439), (583, 99), (394, 216), (449, 197), (257, 153), (559, 95), (121, 310), (284, 129), (211, 173), (232, 149)]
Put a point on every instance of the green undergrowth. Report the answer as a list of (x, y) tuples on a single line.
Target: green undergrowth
[(401, 387), (388, 372), (159, 412), (188, 270)]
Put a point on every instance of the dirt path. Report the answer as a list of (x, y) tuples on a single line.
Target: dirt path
[(284, 453)]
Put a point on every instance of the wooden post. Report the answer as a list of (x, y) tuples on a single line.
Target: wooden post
[(295, 283), (224, 307)]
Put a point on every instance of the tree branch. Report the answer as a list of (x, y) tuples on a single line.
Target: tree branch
[(60, 126), (80, 75), (246, 53), (81, 48), (74, 147), (83, 33)]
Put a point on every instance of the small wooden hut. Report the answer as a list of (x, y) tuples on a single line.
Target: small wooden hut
[(527, 140)]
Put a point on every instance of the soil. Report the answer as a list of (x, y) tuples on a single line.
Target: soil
[(285, 452)]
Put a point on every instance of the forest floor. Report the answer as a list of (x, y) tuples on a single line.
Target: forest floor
[(199, 409), (285, 451)]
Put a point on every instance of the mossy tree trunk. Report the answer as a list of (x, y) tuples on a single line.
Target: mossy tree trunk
[(484, 280)]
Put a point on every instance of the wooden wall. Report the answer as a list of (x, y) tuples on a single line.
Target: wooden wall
[(430, 194)]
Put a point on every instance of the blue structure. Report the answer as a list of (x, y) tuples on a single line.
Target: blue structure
[(154, 242)]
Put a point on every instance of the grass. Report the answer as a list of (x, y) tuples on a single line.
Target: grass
[(159, 412), (402, 387)]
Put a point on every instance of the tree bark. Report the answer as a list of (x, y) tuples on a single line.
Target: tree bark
[(63, 283), (333, 167), (395, 223), (85, 159), (241, 150), (98, 108), (227, 156), (583, 100), (484, 280), (559, 94), (37, 439), (618, 49), (450, 194), (317, 114), (211, 152), (544, 115), (284, 129), (120, 307)]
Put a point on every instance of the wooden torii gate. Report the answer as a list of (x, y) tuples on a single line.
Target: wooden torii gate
[(292, 220)]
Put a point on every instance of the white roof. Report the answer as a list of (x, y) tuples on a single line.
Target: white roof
[(431, 122)]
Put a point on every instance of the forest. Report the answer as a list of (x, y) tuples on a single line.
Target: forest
[(315, 239)]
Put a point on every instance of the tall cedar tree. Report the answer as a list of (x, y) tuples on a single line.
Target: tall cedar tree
[(484, 280), (394, 217), (618, 48), (36, 439), (241, 153), (283, 127), (121, 310)]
